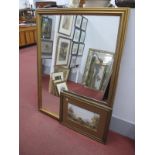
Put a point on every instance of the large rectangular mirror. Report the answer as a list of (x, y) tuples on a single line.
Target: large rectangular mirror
[(79, 50)]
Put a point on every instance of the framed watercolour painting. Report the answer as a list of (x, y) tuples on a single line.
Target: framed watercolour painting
[(76, 36), (97, 64), (65, 25), (80, 49), (84, 115), (78, 21), (63, 50), (84, 23), (47, 47), (74, 48), (46, 27)]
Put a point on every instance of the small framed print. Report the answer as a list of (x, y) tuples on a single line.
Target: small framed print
[(73, 61), (63, 50), (64, 70), (47, 47), (61, 86), (85, 115), (74, 48), (76, 36), (66, 24), (46, 27), (84, 23), (82, 36), (57, 76), (78, 21), (80, 49)]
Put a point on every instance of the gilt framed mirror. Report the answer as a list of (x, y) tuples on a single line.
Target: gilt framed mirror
[(91, 52)]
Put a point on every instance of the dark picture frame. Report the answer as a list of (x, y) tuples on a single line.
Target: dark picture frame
[(85, 115), (84, 23), (81, 49), (46, 27), (74, 49), (63, 51), (97, 71), (76, 36), (125, 3), (66, 24), (78, 21)]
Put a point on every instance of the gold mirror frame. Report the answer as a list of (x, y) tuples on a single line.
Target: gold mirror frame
[(121, 12)]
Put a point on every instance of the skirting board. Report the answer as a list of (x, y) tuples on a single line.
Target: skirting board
[(122, 127)]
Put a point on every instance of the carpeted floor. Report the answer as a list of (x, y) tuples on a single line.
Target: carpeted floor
[(42, 135)]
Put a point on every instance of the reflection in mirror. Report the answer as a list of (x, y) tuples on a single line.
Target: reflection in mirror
[(77, 55)]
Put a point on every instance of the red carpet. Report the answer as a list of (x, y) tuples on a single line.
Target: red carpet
[(42, 135)]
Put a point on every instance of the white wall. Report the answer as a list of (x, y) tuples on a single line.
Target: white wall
[(124, 104)]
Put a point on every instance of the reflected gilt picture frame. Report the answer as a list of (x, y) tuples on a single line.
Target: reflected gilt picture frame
[(84, 116), (66, 24)]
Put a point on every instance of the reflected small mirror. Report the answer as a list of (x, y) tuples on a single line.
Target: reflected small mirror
[(79, 53)]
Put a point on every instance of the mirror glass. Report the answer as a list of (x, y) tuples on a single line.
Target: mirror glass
[(77, 54)]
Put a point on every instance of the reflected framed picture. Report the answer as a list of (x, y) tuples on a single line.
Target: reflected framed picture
[(84, 23), (78, 21), (82, 36), (61, 86), (76, 36), (46, 27), (84, 115), (46, 47), (80, 49), (64, 70), (57, 76), (66, 24), (98, 69), (63, 51), (74, 48), (73, 61)]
